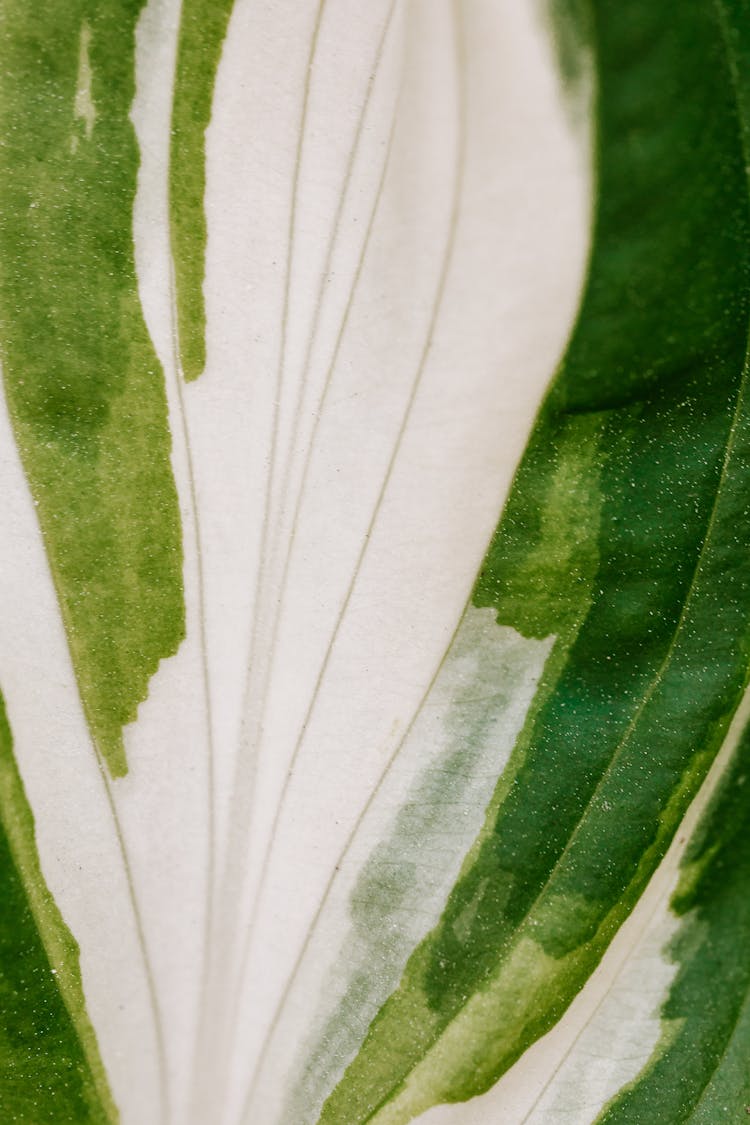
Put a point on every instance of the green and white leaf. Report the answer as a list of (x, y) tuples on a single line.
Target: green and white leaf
[(349, 816)]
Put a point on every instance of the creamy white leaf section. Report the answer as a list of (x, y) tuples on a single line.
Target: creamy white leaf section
[(621, 1035), (369, 476), (165, 803), (398, 218), (614, 1026)]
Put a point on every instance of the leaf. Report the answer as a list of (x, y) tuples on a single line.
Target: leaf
[(378, 830), (49, 1064), (652, 654), (84, 386)]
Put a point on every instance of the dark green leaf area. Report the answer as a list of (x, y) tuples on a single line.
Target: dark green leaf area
[(635, 697), (657, 665), (42, 1072), (49, 1067), (67, 216), (667, 282), (203, 27), (700, 1071), (84, 387), (642, 449)]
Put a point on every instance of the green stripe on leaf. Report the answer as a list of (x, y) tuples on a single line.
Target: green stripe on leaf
[(203, 26)]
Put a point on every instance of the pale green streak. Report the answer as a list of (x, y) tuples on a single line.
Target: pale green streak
[(470, 717), (203, 26)]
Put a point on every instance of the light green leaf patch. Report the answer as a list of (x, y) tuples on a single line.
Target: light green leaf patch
[(203, 25), (84, 387)]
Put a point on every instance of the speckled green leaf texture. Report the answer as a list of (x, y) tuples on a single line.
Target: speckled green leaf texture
[(378, 698)]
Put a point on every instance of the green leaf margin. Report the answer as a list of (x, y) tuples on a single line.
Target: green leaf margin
[(50, 1069)]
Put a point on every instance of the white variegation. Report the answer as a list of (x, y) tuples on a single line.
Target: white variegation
[(83, 106)]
